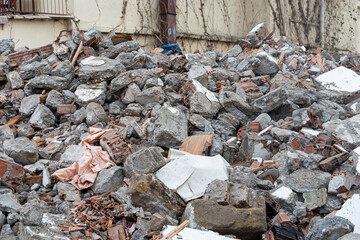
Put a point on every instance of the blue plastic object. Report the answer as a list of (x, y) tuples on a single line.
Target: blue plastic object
[(174, 48)]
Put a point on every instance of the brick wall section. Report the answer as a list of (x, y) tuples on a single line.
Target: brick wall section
[(15, 59)]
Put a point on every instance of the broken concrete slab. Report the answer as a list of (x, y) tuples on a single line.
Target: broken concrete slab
[(95, 113), (42, 117), (218, 191), (78, 116), (99, 68), (72, 154), (234, 104), (283, 135), (131, 93), (153, 95), (64, 69), (245, 223), (29, 70), (47, 82), (15, 80), (285, 197), (7, 45), (86, 94), (340, 79), (107, 180), (350, 211), (31, 213), (257, 34), (199, 74), (67, 191), (271, 100), (315, 199), (54, 99), (260, 63), (304, 180), (22, 150), (203, 101), (330, 228), (347, 130), (6, 133), (170, 127), (144, 161), (242, 175), (9, 203), (29, 104), (146, 191)]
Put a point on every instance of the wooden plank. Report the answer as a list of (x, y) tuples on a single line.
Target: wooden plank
[(77, 53), (320, 63), (281, 58), (13, 120), (177, 229), (39, 141), (196, 144), (266, 167)]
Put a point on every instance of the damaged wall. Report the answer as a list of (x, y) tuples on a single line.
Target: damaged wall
[(299, 20), (200, 23), (24, 30), (216, 23)]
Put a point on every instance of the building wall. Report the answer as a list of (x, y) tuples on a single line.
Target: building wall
[(299, 20), (200, 23), (32, 33)]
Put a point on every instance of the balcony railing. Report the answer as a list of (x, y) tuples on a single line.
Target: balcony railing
[(33, 7)]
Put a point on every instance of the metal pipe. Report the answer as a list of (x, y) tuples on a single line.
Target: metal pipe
[(322, 23)]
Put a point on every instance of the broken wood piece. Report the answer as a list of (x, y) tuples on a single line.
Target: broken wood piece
[(177, 229), (43, 97), (265, 130), (196, 144), (70, 228), (285, 124), (39, 141), (266, 167), (116, 126), (94, 41), (13, 120), (119, 38), (33, 134), (281, 58), (77, 53), (320, 63), (55, 64), (32, 179)]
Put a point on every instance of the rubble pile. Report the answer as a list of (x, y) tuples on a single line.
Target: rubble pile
[(100, 139)]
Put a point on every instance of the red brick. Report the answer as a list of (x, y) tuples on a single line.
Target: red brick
[(310, 149), (66, 108), (281, 218)]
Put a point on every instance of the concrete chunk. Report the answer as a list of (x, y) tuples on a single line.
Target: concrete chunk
[(340, 79), (244, 223), (144, 161), (42, 117), (170, 127), (107, 180), (22, 150)]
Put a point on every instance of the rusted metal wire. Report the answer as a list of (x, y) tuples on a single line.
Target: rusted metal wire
[(98, 214)]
